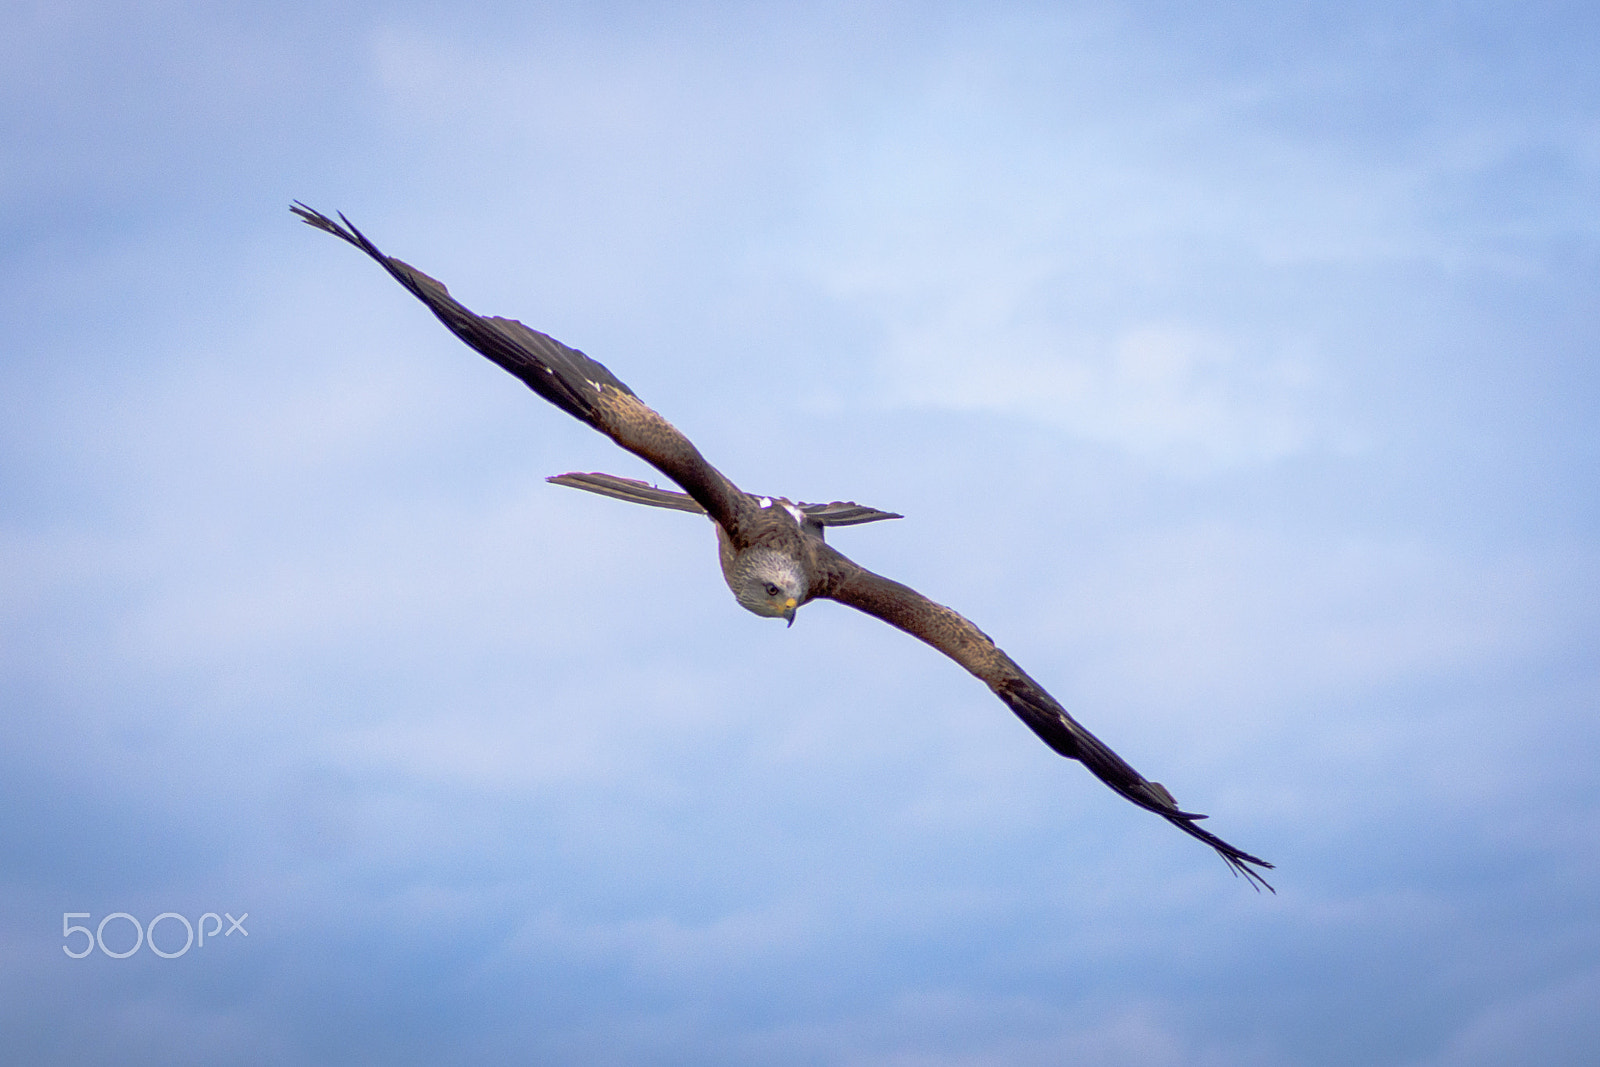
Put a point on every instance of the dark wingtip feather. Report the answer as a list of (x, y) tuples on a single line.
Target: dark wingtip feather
[(312, 217), (1040, 711), (562, 375), (1238, 860)]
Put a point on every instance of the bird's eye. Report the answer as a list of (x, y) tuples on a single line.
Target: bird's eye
[(772, 590)]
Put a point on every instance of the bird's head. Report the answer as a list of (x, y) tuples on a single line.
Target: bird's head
[(768, 583)]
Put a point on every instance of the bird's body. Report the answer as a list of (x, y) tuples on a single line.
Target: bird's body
[(772, 551)]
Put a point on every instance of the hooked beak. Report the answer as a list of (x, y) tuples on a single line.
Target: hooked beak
[(788, 610)]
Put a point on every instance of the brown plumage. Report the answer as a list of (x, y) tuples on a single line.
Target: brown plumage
[(772, 551)]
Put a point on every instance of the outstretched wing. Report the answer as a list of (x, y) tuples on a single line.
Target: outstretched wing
[(838, 513), (950, 633), (567, 378)]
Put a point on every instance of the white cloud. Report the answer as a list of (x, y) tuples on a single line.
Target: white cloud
[(1171, 395)]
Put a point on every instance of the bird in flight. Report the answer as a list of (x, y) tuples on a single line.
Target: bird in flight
[(772, 551)]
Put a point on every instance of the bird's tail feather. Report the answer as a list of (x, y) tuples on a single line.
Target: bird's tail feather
[(837, 513), (629, 489)]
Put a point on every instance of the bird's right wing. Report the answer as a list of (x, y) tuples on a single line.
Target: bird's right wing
[(567, 378), (905, 608)]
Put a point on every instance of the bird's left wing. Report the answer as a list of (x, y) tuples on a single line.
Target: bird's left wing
[(567, 378), (950, 633)]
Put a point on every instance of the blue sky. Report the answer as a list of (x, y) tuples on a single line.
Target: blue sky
[(1234, 366)]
